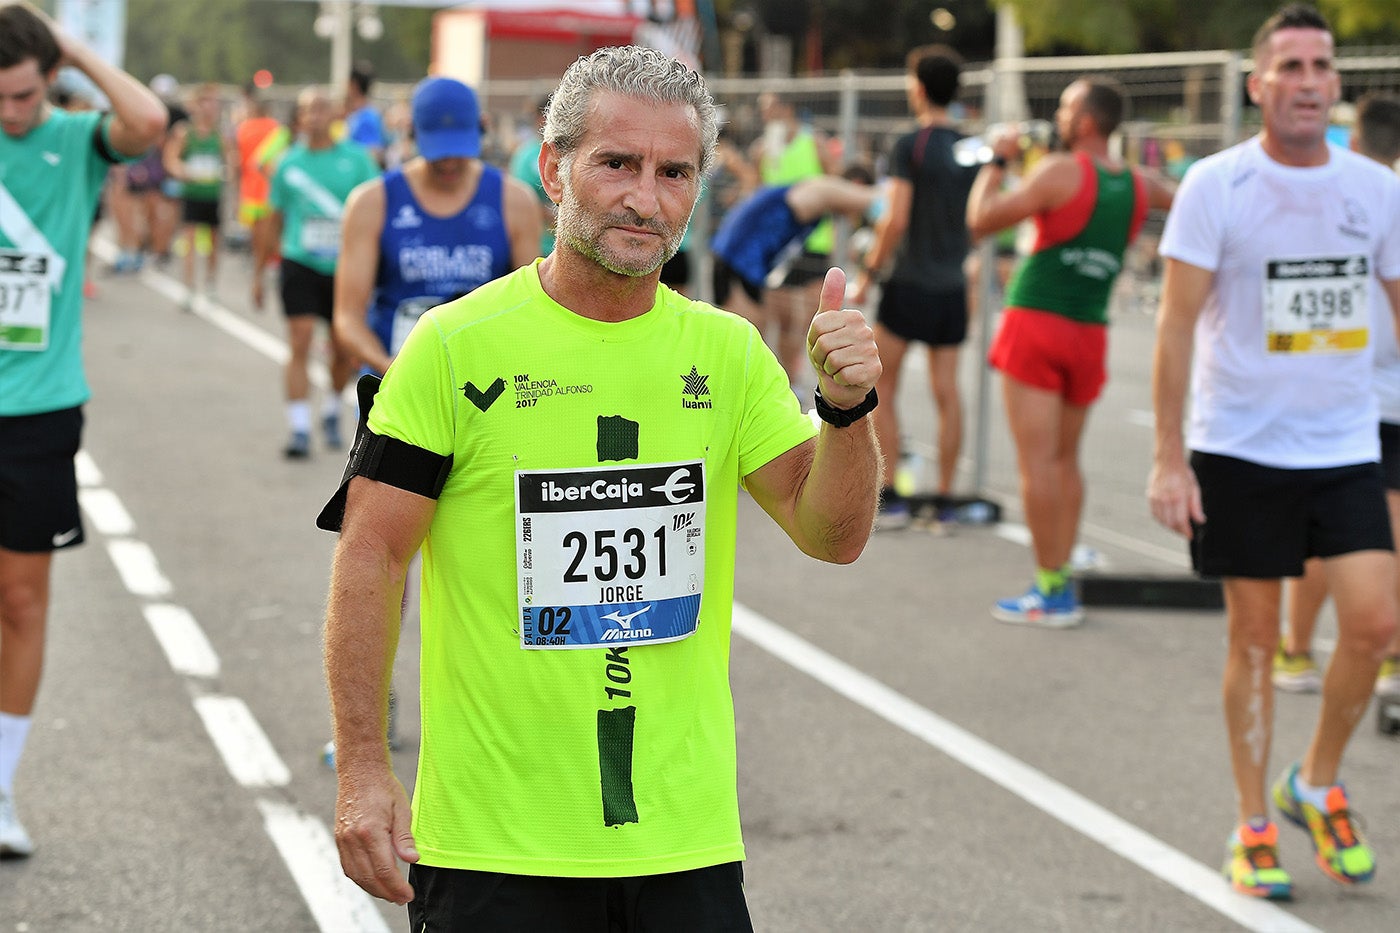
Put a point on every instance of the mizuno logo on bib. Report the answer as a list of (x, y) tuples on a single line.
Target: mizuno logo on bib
[(609, 555)]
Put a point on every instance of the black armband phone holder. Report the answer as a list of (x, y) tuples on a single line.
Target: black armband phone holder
[(384, 460)]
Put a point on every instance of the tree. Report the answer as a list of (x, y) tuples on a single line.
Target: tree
[(228, 40), (860, 34), (1180, 25), (1363, 18)]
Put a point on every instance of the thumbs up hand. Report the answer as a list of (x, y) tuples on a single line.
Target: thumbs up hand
[(841, 346)]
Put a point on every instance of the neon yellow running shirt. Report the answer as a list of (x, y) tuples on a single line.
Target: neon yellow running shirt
[(576, 722)]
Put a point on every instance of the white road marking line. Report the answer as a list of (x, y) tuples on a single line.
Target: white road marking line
[(185, 645), (245, 748), (1031, 785), (86, 468), (303, 842), (1019, 534), (1016, 534), (269, 345), (106, 512), (1141, 417), (138, 568), (1175, 557), (309, 851)]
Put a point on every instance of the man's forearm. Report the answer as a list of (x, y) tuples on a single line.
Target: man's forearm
[(139, 116), (1171, 363), (362, 632), (836, 508)]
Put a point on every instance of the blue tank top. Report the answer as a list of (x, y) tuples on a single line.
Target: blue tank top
[(425, 261), (757, 235)]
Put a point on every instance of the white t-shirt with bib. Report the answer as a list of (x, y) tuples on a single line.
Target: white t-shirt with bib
[(1285, 344)]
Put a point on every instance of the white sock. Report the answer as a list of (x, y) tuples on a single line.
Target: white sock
[(13, 731), (299, 415), (330, 406), (1317, 796)]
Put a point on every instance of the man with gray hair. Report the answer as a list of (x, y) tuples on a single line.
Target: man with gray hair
[(567, 443)]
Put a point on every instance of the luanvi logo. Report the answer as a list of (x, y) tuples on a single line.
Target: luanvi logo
[(484, 400), (696, 385)]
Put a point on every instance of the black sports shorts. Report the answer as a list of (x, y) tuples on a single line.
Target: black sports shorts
[(935, 318), (306, 291), (676, 271), (1390, 456), (723, 275), (703, 900), (200, 212), (1263, 522), (38, 484)]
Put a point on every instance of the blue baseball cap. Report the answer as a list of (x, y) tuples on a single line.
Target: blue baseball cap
[(446, 119)]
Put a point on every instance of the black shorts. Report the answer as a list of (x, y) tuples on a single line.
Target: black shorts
[(1263, 522), (937, 318), (676, 271), (724, 275), (807, 268), (704, 900), (38, 484), (1390, 456), (306, 291), (200, 212)]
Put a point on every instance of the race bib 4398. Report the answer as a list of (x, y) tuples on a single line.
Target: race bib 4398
[(1316, 305), (610, 555)]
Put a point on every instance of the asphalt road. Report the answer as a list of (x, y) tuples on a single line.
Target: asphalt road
[(905, 762)]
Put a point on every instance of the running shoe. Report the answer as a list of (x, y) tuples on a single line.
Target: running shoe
[(893, 515), (1388, 679), (298, 446), (14, 841), (330, 428), (1342, 852), (1296, 673), (1251, 863), (1060, 609)]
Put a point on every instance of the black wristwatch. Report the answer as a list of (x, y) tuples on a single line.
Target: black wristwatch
[(845, 417)]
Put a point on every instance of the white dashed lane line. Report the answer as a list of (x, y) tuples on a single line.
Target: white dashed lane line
[(303, 842)]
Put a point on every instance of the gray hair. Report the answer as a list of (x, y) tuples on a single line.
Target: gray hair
[(633, 71)]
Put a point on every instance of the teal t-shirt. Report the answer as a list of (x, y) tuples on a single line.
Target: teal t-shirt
[(578, 576), (309, 189), (50, 182), (525, 165)]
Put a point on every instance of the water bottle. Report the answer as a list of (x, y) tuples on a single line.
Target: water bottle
[(977, 150)]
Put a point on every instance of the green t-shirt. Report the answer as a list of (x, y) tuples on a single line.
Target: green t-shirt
[(204, 164), (50, 181), (309, 189), (575, 514), (798, 160)]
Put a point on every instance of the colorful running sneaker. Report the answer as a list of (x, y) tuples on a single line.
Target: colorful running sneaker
[(1059, 609), (1388, 679), (1296, 673), (1342, 852), (1251, 863)]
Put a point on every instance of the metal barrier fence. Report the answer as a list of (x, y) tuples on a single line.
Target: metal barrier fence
[(1184, 105)]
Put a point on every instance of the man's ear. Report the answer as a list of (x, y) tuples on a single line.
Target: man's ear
[(550, 166)]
